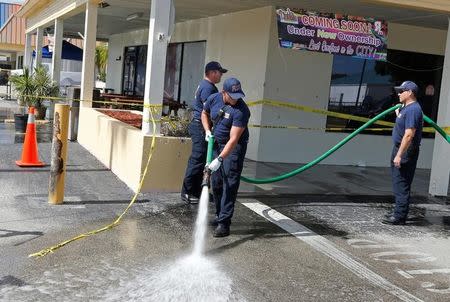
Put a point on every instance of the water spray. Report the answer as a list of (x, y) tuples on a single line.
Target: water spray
[(202, 216)]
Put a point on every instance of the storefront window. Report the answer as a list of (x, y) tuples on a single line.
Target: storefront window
[(184, 70), (365, 87)]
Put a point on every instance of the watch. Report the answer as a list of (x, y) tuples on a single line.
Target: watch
[(220, 158)]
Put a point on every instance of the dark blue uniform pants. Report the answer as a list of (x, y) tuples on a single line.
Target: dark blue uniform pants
[(401, 180), (225, 181), (196, 164)]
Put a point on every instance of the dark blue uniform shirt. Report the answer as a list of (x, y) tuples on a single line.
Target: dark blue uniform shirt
[(410, 116), (237, 115), (204, 90)]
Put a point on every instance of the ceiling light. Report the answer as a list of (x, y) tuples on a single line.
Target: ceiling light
[(134, 16)]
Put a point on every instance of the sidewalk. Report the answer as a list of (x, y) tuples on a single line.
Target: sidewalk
[(342, 204)]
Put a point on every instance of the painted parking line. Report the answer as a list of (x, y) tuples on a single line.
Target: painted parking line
[(408, 274), (327, 248)]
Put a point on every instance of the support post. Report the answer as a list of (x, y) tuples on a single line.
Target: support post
[(28, 54), (56, 60), (88, 67), (59, 154), (158, 39), (440, 168), (39, 45), (57, 50)]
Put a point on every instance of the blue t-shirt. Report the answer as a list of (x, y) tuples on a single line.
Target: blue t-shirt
[(410, 116), (204, 90), (237, 115)]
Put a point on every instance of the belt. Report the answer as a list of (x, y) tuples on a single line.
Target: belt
[(224, 142), (411, 147)]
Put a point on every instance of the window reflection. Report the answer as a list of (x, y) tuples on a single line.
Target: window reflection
[(365, 87)]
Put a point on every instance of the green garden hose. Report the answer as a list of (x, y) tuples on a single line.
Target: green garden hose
[(209, 154), (438, 129), (336, 147)]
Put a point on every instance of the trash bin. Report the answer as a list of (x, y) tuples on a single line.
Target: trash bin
[(73, 93)]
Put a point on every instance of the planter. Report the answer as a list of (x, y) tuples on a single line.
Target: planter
[(20, 122), (125, 150)]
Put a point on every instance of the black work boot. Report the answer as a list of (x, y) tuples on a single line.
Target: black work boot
[(189, 199), (222, 230), (389, 214), (394, 221), (214, 222)]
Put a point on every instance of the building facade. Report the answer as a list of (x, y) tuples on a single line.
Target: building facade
[(244, 38)]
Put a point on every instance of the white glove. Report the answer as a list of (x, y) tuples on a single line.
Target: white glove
[(215, 164), (208, 135)]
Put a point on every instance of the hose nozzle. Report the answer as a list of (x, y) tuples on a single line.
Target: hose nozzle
[(206, 177)]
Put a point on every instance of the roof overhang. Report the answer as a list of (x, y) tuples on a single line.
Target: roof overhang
[(438, 6), (31, 6), (113, 18)]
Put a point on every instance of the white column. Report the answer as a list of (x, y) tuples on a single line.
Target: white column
[(39, 44), (440, 168), (156, 59), (88, 67), (57, 50), (28, 54)]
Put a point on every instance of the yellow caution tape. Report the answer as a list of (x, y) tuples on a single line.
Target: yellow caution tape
[(314, 129), (314, 110), (328, 113), (55, 98), (262, 102), (116, 222), (337, 129)]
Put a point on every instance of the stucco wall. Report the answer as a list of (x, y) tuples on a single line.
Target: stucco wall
[(417, 39), (238, 41), (246, 43)]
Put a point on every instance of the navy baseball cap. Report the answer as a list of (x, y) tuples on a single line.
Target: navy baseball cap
[(406, 86), (232, 86), (213, 65)]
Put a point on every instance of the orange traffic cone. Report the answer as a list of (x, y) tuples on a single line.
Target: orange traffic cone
[(30, 156)]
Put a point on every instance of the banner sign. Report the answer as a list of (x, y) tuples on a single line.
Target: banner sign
[(359, 37)]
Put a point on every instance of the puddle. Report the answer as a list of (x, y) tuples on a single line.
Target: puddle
[(192, 278), (8, 134)]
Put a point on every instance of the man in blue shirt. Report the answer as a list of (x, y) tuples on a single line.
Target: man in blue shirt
[(227, 115), (190, 192), (406, 138)]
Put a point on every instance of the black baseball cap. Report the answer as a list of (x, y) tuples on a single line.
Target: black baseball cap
[(213, 65)]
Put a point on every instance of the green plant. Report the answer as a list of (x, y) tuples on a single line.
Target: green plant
[(25, 87), (44, 84), (101, 60), (33, 87)]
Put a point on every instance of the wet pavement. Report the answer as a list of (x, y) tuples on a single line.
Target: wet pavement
[(345, 254), (8, 133)]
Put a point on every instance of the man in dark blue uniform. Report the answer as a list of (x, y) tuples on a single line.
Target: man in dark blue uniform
[(228, 115), (406, 137), (190, 192)]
